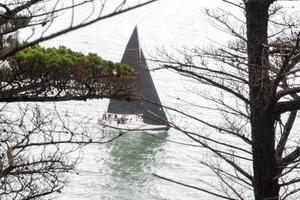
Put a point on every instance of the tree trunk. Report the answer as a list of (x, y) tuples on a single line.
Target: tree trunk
[(262, 120)]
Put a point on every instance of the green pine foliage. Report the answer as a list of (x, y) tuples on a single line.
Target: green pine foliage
[(64, 62)]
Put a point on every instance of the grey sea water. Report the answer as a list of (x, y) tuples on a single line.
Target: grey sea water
[(121, 170)]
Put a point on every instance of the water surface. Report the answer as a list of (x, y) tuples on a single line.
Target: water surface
[(123, 169)]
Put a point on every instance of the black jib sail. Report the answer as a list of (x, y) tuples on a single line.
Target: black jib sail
[(149, 105)]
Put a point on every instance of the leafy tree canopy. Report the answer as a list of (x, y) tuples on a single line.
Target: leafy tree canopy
[(53, 74), (39, 59)]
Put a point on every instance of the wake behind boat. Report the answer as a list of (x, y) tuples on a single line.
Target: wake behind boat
[(148, 112)]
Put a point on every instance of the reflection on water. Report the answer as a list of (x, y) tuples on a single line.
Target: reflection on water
[(121, 170), (131, 160)]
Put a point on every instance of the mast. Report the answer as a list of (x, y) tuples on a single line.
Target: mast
[(149, 104)]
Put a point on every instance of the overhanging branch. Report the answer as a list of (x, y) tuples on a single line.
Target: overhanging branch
[(287, 106)]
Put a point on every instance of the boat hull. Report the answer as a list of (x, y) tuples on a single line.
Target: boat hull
[(135, 128)]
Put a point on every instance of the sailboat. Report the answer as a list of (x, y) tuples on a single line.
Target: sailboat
[(146, 113)]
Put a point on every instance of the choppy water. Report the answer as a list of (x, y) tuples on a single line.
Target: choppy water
[(121, 170)]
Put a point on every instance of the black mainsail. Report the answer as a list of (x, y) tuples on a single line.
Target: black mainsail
[(149, 104)]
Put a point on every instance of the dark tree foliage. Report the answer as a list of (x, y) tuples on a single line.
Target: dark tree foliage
[(37, 17), (56, 74)]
